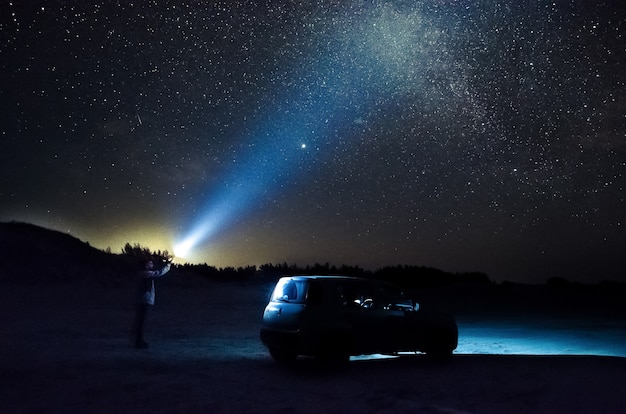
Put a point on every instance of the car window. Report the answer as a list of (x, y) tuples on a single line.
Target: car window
[(289, 290), (355, 295)]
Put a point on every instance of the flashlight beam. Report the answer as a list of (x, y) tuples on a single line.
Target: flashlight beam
[(318, 106)]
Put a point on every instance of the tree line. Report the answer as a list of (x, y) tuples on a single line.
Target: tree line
[(404, 275)]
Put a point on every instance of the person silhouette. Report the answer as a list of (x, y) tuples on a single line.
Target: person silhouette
[(145, 298)]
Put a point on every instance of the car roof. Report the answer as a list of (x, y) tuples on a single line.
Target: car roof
[(323, 277)]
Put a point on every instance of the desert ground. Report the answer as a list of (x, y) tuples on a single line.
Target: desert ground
[(65, 349)]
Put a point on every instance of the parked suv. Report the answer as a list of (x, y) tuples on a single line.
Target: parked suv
[(337, 316)]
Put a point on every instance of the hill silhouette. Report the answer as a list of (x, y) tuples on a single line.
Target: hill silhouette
[(35, 254), (30, 253)]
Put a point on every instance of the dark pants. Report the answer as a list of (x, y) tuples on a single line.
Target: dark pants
[(141, 311)]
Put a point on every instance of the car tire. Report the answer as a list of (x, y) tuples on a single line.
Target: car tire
[(282, 355)]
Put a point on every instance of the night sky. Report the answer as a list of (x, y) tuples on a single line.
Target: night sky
[(464, 135)]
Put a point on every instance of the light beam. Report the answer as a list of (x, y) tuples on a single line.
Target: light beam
[(380, 57)]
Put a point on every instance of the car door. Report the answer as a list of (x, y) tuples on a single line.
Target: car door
[(363, 311), (399, 318)]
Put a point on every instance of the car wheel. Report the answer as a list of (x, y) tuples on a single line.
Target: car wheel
[(439, 353), (282, 355)]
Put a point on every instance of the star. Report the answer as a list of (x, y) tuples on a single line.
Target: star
[(267, 126)]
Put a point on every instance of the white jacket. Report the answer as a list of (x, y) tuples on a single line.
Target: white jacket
[(145, 294)]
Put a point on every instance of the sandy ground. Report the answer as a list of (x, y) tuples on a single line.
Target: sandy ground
[(65, 349)]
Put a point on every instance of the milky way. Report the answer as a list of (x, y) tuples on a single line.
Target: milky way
[(465, 135)]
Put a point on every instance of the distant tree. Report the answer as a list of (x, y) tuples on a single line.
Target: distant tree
[(138, 252), (414, 277), (406, 276), (229, 273)]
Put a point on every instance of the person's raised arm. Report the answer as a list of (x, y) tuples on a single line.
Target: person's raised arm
[(153, 274)]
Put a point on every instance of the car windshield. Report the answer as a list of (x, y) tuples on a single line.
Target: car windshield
[(289, 290)]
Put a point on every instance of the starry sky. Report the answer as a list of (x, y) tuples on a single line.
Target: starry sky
[(479, 135)]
